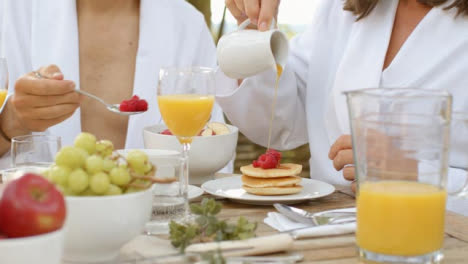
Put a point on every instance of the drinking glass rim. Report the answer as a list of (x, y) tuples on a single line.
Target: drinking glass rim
[(30, 138), (363, 119), (12, 169), (378, 92), (187, 69)]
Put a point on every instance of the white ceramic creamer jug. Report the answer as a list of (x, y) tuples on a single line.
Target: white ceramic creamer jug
[(247, 52)]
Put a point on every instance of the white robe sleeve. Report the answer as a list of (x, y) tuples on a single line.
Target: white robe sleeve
[(249, 106)]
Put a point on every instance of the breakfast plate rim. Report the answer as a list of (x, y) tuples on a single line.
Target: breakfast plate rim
[(198, 192), (267, 200)]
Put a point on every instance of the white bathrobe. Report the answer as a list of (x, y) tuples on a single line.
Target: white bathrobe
[(172, 33), (336, 54)]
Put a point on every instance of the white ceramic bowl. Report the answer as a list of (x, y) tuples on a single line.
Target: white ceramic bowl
[(97, 227), (207, 154), (40, 249)]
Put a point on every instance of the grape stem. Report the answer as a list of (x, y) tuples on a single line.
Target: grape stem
[(151, 179), (138, 185), (146, 177)]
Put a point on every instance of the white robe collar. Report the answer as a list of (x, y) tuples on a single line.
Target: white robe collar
[(59, 45)]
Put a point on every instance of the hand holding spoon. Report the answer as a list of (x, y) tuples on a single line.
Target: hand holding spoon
[(111, 107)]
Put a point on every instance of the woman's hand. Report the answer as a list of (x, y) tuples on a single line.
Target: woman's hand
[(341, 153), (41, 99), (260, 12)]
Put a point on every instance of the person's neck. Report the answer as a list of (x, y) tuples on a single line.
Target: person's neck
[(106, 6)]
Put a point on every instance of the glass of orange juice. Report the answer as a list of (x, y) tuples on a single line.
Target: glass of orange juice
[(3, 81), (186, 99), (400, 143)]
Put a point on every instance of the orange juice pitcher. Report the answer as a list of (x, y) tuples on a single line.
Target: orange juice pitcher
[(400, 144)]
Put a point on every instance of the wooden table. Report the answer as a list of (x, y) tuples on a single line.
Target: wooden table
[(342, 249)]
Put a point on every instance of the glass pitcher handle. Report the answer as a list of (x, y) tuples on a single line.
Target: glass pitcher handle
[(463, 190), (247, 22)]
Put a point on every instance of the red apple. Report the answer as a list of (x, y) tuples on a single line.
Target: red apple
[(166, 132), (31, 205)]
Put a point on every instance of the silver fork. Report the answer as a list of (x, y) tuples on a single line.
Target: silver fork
[(314, 219)]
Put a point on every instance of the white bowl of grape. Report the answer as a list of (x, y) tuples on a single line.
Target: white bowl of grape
[(108, 196), (211, 150)]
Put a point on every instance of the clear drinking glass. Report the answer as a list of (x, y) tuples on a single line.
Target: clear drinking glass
[(31, 154), (186, 99), (458, 163), (169, 200), (3, 80), (400, 142), (34, 150)]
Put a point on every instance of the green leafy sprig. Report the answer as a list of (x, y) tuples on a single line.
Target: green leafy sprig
[(207, 227)]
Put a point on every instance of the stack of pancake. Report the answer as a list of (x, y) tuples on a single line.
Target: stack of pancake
[(278, 181)]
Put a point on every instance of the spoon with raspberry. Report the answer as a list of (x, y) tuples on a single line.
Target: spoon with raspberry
[(133, 106)]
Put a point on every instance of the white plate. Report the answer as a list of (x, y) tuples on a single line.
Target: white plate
[(231, 188), (194, 192)]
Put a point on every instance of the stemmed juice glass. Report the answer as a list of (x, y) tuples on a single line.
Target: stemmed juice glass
[(3, 81), (186, 99)]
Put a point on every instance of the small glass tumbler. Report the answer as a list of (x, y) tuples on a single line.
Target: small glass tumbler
[(34, 150), (170, 199)]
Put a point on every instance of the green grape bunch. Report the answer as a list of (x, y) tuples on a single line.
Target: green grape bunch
[(207, 227), (91, 167)]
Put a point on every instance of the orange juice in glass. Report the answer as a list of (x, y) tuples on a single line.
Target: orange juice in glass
[(3, 80), (400, 217), (400, 145), (3, 95), (185, 114), (186, 99)]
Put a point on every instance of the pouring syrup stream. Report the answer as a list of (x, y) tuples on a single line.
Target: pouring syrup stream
[(279, 71)]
